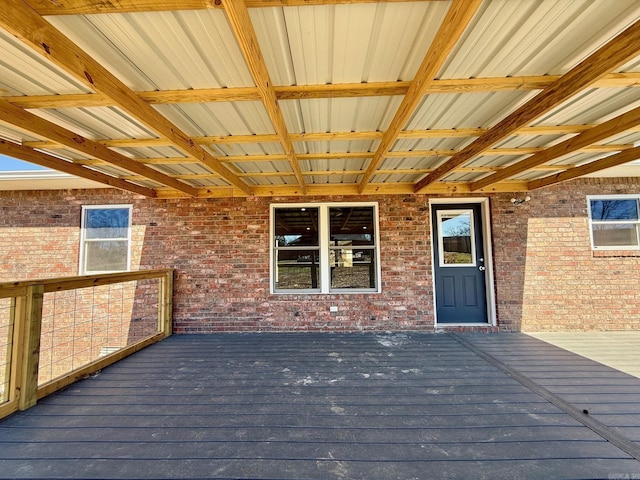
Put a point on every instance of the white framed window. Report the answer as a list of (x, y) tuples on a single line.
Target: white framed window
[(456, 232), (325, 248), (105, 239), (615, 222)]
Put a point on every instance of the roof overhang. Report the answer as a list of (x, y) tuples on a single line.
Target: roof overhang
[(44, 180)]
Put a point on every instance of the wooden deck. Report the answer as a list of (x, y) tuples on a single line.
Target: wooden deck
[(332, 406), (619, 350)]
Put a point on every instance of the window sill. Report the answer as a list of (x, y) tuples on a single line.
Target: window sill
[(616, 253)]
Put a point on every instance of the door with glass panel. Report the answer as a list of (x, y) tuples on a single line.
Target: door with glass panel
[(459, 264)]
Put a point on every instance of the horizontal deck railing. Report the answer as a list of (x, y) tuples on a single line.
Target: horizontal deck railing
[(56, 331)]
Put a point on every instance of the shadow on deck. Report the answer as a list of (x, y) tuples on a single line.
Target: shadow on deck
[(329, 406)]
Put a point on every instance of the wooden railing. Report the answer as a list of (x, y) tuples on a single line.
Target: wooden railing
[(56, 331)]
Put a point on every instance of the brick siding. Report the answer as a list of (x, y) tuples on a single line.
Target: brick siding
[(546, 275)]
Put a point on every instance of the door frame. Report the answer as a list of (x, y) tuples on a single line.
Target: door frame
[(485, 213)]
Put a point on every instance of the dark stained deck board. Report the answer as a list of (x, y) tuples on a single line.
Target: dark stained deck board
[(328, 406)]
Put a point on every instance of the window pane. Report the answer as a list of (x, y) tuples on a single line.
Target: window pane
[(296, 227), (609, 209), (615, 235), (455, 229), (352, 268), (107, 256), (297, 269), (106, 223), (351, 226)]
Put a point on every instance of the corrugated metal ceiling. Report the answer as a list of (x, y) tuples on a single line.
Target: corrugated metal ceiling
[(185, 62)]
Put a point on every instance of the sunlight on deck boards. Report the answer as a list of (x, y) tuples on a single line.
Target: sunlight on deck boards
[(619, 350)]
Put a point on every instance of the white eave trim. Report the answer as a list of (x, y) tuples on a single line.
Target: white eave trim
[(44, 180)]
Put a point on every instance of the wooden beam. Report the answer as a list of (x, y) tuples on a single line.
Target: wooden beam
[(589, 168), (302, 92), (605, 130), (41, 127), (87, 7), (39, 158), (607, 58), (326, 137), (238, 16), (28, 26), (458, 16), (441, 188)]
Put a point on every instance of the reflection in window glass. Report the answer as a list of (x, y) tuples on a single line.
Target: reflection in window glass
[(352, 226), (611, 209), (615, 222), (352, 268), (455, 231), (296, 227), (106, 223), (297, 269)]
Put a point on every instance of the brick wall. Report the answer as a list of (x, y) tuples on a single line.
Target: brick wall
[(547, 277)]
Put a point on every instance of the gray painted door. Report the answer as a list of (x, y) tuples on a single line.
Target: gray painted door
[(460, 284)]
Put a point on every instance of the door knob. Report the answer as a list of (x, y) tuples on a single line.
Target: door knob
[(481, 268)]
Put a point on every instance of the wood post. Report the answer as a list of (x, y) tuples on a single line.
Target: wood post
[(165, 312), (28, 369)]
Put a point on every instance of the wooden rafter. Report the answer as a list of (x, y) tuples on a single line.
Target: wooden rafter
[(28, 26), (238, 16), (301, 92), (458, 16), (589, 168), (607, 129), (606, 59), (86, 7), (41, 127), (44, 160)]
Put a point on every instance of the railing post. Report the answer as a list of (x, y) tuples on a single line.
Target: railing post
[(165, 301), (32, 321), (14, 339)]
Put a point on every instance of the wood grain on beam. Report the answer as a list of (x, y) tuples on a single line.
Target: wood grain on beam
[(302, 92), (39, 158), (607, 129), (87, 7), (327, 137), (41, 127), (238, 16), (458, 16), (449, 188), (587, 169), (28, 26), (606, 59)]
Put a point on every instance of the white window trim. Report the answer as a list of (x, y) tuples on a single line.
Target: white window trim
[(604, 222), (323, 235), (82, 267)]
